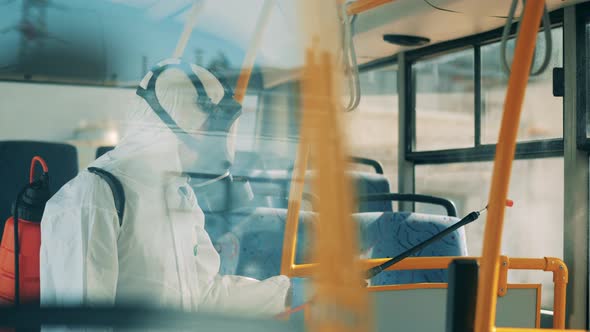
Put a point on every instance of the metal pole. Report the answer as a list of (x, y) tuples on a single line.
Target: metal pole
[(523, 57)]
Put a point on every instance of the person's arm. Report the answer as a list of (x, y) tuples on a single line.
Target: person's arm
[(241, 295), (78, 256)]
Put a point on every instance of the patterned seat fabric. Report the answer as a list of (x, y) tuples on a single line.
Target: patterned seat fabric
[(254, 243), (390, 234)]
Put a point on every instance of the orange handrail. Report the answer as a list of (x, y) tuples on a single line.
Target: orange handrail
[(248, 64), (488, 281), (296, 189), (549, 264), (360, 6), (514, 329)]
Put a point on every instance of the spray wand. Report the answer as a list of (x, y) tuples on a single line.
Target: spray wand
[(471, 217)]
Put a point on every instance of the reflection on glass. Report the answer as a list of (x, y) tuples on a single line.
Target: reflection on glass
[(373, 125), (444, 101), (532, 228), (542, 113)]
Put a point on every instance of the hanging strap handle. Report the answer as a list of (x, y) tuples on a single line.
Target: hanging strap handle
[(116, 188)]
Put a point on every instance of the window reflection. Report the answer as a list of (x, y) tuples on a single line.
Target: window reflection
[(532, 228), (444, 101), (542, 115), (373, 125)]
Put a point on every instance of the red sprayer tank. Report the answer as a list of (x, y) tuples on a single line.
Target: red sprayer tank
[(19, 278)]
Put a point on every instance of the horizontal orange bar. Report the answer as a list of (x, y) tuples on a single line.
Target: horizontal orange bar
[(515, 329), (527, 264), (426, 263), (360, 6)]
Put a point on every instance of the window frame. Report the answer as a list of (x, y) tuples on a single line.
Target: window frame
[(479, 152), (582, 76)]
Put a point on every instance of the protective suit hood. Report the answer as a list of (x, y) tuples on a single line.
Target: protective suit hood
[(184, 122)]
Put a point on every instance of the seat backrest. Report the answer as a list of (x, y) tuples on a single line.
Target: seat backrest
[(253, 245), (368, 184), (389, 234), (102, 150), (15, 162)]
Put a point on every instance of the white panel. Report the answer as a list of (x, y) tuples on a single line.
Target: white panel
[(425, 309)]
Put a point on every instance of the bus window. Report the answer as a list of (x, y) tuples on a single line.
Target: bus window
[(370, 125), (542, 116), (84, 116), (247, 124), (444, 101), (533, 227)]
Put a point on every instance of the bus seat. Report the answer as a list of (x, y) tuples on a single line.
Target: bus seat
[(254, 244), (253, 247), (15, 162), (371, 183), (392, 233), (102, 150)]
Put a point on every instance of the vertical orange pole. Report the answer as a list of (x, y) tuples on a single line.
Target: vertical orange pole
[(341, 300), (559, 305), (248, 65), (295, 194), (488, 280)]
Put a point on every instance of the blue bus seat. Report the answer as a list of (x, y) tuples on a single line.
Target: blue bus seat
[(390, 234), (371, 183), (254, 243), (15, 162), (253, 246)]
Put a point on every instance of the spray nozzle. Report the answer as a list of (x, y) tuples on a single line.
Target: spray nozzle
[(509, 203)]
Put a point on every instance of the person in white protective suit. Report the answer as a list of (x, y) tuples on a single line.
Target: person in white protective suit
[(159, 254)]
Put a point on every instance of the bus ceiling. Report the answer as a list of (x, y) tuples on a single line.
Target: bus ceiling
[(442, 20)]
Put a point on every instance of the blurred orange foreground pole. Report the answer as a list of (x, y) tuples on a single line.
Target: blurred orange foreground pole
[(485, 315), (341, 301)]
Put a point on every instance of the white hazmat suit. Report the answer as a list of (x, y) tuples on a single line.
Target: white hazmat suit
[(161, 255)]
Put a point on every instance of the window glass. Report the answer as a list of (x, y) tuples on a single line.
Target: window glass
[(84, 116), (247, 124), (533, 227), (542, 113), (277, 126), (373, 125), (444, 88), (94, 54)]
